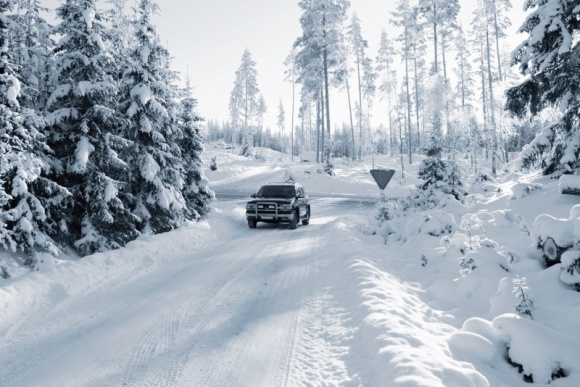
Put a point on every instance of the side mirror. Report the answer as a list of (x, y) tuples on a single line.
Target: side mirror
[(253, 195)]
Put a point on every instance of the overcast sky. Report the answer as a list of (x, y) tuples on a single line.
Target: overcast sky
[(208, 37)]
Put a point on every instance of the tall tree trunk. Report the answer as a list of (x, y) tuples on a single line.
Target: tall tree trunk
[(292, 120), (497, 41), (409, 139), (491, 104), (325, 60), (360, 112), (415, 65), (246, 108), (401, 145), (353, 156), (322, 124), (484, 103), (450, 134), (318, 123), (435, 47)]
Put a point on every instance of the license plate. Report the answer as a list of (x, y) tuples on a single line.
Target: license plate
[(266, 217)]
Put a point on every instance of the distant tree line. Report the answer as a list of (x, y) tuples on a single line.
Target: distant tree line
[(98, 144), (441, 85)]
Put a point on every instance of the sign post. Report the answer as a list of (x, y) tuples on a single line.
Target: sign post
[(382, 176)]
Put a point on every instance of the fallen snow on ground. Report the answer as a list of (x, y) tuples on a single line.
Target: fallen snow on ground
[(327, 304)]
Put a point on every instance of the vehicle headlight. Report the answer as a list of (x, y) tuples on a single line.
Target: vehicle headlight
[(251, 206), (285, 207)]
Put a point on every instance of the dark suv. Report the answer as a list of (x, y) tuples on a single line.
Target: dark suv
[(279, 203)]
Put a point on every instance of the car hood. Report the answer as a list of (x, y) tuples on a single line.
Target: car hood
[(272, 200)]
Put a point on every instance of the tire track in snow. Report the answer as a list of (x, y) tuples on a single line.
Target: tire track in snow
[(200, 316), (322, 339), (218, 280), (242, 350)]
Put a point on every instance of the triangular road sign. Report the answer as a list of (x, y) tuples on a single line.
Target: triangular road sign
[(382, 176)]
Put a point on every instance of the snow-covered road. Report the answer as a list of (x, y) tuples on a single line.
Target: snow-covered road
[(246, 308)]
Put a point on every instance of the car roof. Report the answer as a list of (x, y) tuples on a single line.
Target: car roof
[(286, 183)]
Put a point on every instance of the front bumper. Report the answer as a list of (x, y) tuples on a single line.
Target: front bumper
[(281, 217), (267, 211)]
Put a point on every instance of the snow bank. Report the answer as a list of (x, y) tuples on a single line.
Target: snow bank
[(46, 289), (403, 339), (541, 351)]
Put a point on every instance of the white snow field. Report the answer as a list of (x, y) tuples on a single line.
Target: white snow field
[(328, 304)]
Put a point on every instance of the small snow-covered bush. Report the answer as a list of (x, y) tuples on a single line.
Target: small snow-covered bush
[(526, 306), (383, 212), (402, 229), (439, 175), (522, 190), (289, 176), (483, 182), (571, 266), (4, 272), (213, 164)]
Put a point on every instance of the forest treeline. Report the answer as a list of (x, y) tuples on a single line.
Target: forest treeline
[(433, 82)]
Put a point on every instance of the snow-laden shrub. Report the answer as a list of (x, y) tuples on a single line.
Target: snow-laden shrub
[(328, 166), (289, 176), (383, 212), (213, 164), (443, 176), (539, 353), (403, 229), (483, 182), (521, 190), (525, 306), (473, 199), (571, 266)]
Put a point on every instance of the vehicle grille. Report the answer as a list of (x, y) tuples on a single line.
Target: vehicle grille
[(266, 208)]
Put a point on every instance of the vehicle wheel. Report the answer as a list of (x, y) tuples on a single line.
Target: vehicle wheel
[(293, 222), (252, 223), (307, 220)]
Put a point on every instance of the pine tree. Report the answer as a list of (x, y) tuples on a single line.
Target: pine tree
[(404, 17), (261, 109), (84, 122), (386, 79), (243, 101), (31, 48), (27, 199), (358, 45), (281, 118), (196, 191), (156, 176), (548, 59), (319, 50), (440, 176), (441, 15), (122, 34)]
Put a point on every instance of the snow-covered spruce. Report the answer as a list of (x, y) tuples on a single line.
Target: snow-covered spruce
[(243, 103), (196, 191), (85, 134), (28, 201), (547, 58), (164, 192)]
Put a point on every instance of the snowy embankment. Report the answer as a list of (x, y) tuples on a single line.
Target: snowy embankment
[(45, 289), (435, 298)]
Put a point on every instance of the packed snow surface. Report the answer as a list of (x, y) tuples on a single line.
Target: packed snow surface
[(429, 299)]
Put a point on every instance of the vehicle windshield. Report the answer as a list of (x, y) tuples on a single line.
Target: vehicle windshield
[(277, 191)]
